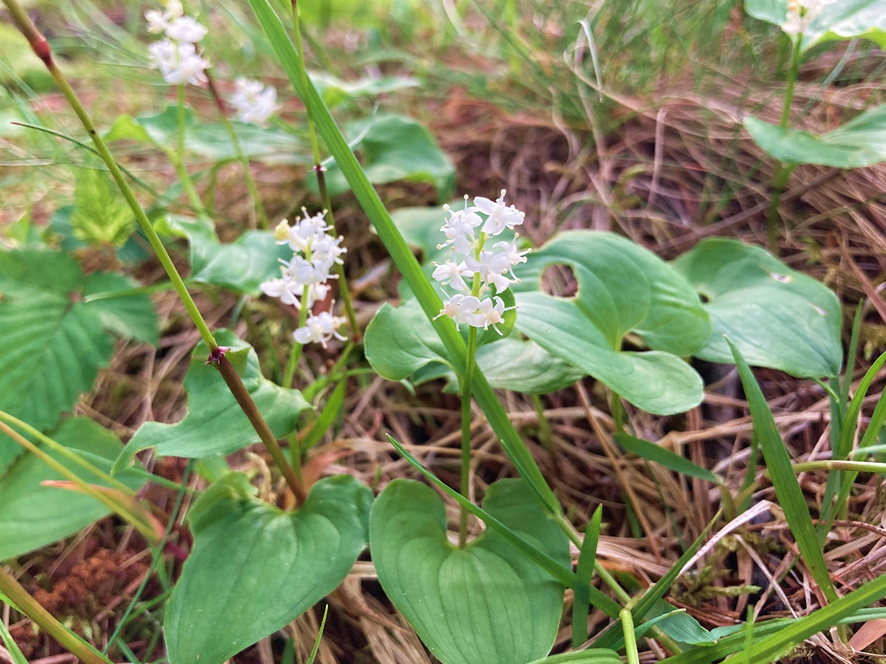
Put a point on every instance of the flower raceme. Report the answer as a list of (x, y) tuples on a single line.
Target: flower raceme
[(303, 280), (254, 101), (800, 14), (467, 234), (176, 56)]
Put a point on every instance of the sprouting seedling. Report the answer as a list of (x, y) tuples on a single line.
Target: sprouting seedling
[(488, 269)]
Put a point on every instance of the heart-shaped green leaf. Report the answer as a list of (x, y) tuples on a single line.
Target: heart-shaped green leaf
[(858, 143), (483, 604), (776, 316), (622, 289), (394, 148), (215, 424), (838, 20), (255, 568), (400, 342), (241, 266), (32, 515), (54, 341), (211, 141)]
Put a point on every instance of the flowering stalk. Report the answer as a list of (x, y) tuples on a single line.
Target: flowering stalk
[(343, 289), (43, 51), (258, 208), (800, 14)]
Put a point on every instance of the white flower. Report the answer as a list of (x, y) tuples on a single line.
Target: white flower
[(490, 313), (491, 267), (451, 273), (178, 62), (459, 228), (498, 215), (461, 309), (286, 289), (320, 329), (255, 102), (800, 14), (157, 21), (185, 29)]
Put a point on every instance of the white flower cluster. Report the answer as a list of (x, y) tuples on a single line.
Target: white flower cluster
[(177, 56), (800, 14), (303, 280), (487, 268), (254, 101)]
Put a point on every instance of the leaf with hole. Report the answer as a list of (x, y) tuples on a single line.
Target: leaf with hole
[(400, 342), (215, 424), (481, 604), (777, 317), (33, 515), (839, 20), (255, 569), (394, 148), (858, 143), (623, 290), (54, 342), (241, 265)]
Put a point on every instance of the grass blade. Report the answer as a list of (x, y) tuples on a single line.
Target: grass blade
[(787, 488), (402, 255), (18, 656), (664, 457), (319, 636), (325, 419), (583, 572)]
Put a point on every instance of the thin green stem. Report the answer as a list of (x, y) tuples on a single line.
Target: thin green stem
[(333, 375), (43, 51), (295, 353), (544, 426), (618, 413), (257, 205), (178, 159), (783, 171), (627, 626), (467, 381), (31, 608), (343, 290)]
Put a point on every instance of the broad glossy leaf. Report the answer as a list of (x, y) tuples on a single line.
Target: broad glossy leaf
[(211, 140), (101, 216), (776, 316), (400, 342), (838, 20), (255, 568), (32, 515), (622, 289), (53, 342), (858, 143), (241, 265), (483, 604), (335, 91), (214, 423), (394, 148)]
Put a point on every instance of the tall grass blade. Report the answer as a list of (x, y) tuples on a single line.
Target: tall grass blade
[(583, 572), (402, 255), (784, 480), (664, 457), (15, 652)]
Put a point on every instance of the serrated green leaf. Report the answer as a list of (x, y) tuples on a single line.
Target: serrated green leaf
[(255, 568), (496, 606), (776, 316), (53, 342), (209, 140), (394, 148), (400, 342), (101, 215), (32, 515), (622, 288), (241, 265), (838, 20), (858, 143), (131, 316), (215, 424)]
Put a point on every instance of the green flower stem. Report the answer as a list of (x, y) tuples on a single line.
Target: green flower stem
[(295, 353), (783, 171), (178, 159), (142, 524), (43, 51), (343, 289), (257, 205), (66, 452), (466, 430), (30, 607)]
